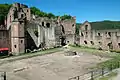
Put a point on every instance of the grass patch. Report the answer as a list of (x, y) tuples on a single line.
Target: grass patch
[(109, 65), (109, 76), (47, 51), (94, 51), (29, 55), (112, 63)]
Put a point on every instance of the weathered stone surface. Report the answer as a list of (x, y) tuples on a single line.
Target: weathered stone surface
[(100, 39), (21, 25)]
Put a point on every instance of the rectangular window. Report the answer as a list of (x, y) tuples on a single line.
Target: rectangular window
[(86, 34), (21, 41), (82, 34), (22, 15), (119, 45), (99, 34), (109, 33), (15, 46), (92, 42), (86, 27)]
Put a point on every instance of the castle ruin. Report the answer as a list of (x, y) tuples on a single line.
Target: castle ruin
[(23, 30), (106, 39)]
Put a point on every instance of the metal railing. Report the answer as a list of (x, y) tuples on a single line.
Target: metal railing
[(96, 73), (3, 76)]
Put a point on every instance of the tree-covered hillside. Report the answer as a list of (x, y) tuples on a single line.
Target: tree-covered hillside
[(40, 13), (102, 25), (4, 8)]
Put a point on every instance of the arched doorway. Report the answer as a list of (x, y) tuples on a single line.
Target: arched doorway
[(63, 40), (110, 45)]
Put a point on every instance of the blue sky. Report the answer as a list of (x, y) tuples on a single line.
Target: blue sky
[(91, 10)]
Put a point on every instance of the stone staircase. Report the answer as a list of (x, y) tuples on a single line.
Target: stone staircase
[(34, 37)]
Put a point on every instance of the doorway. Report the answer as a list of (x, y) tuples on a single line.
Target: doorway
[(63, 41), (110, 46)]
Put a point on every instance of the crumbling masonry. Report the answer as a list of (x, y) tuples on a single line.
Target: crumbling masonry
[(22, 30), (101, 39)]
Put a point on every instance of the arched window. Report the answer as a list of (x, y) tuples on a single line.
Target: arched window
[(92, 42), (63, 30), (15, 46), (22, 15), (48, 25), (82, 34), (110, 45), (86, 34), (72, 25), (109, 33), (27, 10), (85, 42), (10, 18), (86, 27), (42, 23), (119, 45), (99, 34), (100, 43)]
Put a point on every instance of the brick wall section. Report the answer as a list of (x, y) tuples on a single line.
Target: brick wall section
[(99, 38)]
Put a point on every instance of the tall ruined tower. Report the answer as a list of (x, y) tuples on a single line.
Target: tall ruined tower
[(69, 29), (18, 15), (17, 37)]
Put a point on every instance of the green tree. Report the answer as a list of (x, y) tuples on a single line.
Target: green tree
[(50, 15), (66, 17), (36, 11), (4, 9)]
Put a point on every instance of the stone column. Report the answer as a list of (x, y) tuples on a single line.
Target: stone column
[(114, 41), (104, 41), (17, 38), (46, 37), (40, 35)]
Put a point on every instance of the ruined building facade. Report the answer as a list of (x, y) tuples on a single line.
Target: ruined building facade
[(22, 30), (108, 39)]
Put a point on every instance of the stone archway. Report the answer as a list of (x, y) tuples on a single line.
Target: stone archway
[(63, 41), (63, 38), (63, 30), (110, 45), (60, 35)]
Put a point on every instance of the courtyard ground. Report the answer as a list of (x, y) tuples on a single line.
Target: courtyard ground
[(54, 66), (118, 75)]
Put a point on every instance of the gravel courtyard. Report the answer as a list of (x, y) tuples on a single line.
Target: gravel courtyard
[(54, 66)]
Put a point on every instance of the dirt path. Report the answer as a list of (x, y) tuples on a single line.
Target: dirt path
[(54, 66)]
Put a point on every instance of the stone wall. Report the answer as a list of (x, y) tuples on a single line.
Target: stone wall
[(105, 39), (69, 27), (17, 37), (51, 32), (4, 40)]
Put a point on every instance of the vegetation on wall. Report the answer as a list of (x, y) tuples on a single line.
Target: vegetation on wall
[(40, 13), (4, 8), (66, 17)]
